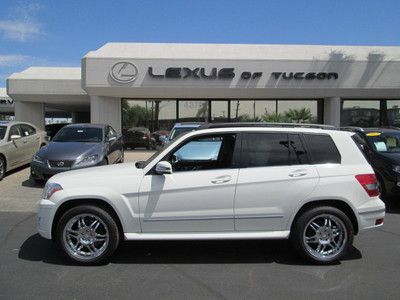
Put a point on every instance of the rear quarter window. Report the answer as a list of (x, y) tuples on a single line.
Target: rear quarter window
[(322, 149)]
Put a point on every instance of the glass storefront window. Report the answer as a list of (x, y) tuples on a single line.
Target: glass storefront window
[(219, 111), (297, 111), (393, 112), (360, 113), (152, 114), (252, 110), (193, 111)]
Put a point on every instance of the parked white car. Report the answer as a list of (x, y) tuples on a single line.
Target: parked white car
[(19, 141), (313, 186)]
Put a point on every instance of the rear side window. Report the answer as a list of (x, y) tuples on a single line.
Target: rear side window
[(27, 130), (273, 149), (322, 149)]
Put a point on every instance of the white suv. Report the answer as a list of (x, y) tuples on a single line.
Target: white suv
[(311, 185)]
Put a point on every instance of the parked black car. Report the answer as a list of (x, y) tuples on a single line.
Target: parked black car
[(382, 149), (138, 137), (160, 134), (52, 129), (78, 146)]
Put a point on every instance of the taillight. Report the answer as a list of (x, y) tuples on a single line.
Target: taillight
[(369, 183)]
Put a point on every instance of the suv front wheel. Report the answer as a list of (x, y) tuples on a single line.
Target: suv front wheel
[(322, 235), (87, 234)]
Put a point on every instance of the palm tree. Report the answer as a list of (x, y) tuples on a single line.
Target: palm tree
[(274, 117), (299, 115)]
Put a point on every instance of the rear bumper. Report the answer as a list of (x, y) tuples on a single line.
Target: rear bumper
[(370, 213)]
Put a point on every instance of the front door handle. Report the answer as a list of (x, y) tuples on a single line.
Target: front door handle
[(298, 173), (221, 179)]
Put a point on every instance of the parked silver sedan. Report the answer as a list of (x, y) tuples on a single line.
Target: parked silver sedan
[(19, 141)]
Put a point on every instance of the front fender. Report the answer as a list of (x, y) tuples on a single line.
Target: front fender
[(126, 209)]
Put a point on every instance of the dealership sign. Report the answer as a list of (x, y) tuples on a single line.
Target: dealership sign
[(6, 102), (126, 72), (229, 73)]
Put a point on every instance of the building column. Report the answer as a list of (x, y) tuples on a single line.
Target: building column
[(80, 117), (106, 110), (32, 112), (332, 111)]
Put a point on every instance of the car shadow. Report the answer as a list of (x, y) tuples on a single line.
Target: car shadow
[(392, 205), (33, 183), (36, 248)]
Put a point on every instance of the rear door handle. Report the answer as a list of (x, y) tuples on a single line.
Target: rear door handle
[(298, 173), (221, 179)]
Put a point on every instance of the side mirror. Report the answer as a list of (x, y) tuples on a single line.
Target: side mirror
[(15, 137), (163, 167), (163, 138)]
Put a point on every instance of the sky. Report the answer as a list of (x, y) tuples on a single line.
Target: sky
[(60, 33)]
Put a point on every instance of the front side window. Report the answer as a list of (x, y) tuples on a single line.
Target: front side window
[(79, 134), (14, 130), (204, 153)]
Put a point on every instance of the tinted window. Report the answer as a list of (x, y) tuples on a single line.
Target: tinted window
[(297, 153), (27, 130), (266, 149), (79, 134), (203, 153), (322, 149)]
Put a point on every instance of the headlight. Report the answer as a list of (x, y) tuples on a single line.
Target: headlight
[(50, 189), (38, 159), (87, 160), (396, 169)]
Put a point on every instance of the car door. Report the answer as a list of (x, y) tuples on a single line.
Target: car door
[(275, 175), (15, 149), (31, 139), (198, 195)]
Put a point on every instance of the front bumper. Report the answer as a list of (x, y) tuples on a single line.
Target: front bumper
[(370, 213), (45, 216), (43, 171)]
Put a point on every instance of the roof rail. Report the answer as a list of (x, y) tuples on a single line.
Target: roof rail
[(267, 124), (351, 128)]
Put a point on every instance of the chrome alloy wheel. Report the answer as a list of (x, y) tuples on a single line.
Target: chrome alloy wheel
[(325, 236), (85, 236)]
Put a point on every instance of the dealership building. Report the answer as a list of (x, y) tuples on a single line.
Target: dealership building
[(156, 85)]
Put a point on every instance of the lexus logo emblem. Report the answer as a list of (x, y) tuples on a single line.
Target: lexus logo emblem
[(60, 164), (124, 72)]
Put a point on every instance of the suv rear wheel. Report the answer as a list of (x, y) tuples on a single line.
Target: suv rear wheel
[(87, 234), (322, 235)]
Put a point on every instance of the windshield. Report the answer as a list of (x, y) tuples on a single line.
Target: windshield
[(3, 130), (385, 142), (143, 163), (79, 134), (179, 131)]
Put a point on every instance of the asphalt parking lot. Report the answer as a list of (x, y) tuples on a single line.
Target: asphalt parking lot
[(32, 267)]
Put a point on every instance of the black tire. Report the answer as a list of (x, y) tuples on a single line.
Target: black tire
[(109, 222), (301, 228), (3, 167)]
